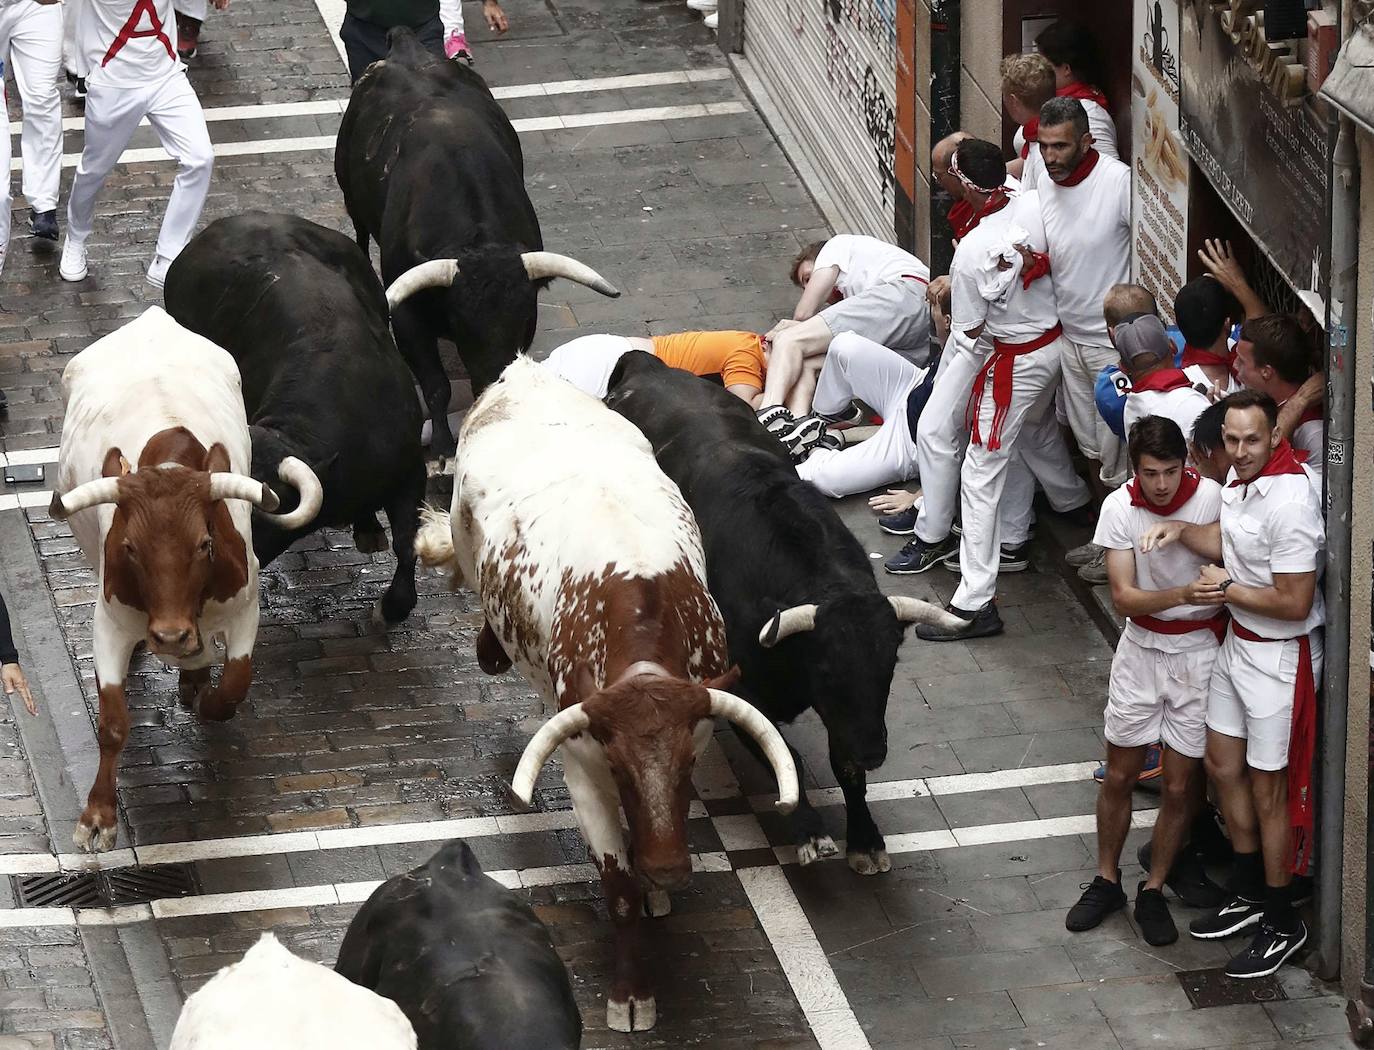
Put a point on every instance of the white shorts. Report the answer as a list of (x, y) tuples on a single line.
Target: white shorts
[(1154, 695), (1252, 695)]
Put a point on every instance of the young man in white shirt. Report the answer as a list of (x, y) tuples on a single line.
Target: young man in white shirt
[(1157, 387), (1004, 300), (1027, 84), (135, 73), (1205, 313), (1086, 202), (31, 45), (1159, 680), (1261, 716), (1274, 356), (874, 289)]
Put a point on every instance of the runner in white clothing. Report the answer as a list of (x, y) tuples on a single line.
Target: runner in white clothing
[(1157, 387), (1002, 296), (1160, 673), (1073, 52), (1086, 202), (135, 73), (1027, 84), (1261, 717), (31, 46), (1274, 356), (1205, 313)]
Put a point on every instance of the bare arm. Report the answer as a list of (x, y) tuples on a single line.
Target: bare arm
[(745, 392), (1131, 600), (1288, 598), (1307, 395), (816, 293), (1202, 540)]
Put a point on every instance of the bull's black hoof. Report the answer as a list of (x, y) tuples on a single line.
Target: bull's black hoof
[(369, 541), (633, 1015)]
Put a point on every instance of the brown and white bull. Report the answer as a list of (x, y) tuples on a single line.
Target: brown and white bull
[(153, 475), (590, 571)]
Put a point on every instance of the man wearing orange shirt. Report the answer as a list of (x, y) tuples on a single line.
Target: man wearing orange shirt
[(737, 357)]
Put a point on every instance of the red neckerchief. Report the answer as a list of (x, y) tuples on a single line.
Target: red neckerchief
[(1083, 92), (1285, 460), (1084, 169), (960, 215), (1162, 381), (1187, 486), (1196, 355), (997, 200), (1030, 129)]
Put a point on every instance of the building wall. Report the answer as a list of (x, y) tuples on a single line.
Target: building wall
[(980, 53), (921, 144)]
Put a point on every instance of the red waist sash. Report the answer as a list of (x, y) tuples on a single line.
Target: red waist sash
[(1215, 624), (1001, 364)]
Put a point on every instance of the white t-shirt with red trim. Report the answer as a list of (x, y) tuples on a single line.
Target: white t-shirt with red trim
[(128, 43), (865, 262)]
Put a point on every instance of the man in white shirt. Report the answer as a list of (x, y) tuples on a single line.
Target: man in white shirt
[(1159, 680), (1002, 299), (1086, 203), (135, 73), (1261, 716), (874, 289), (1157, 387), (1205, 313), (1073, 52), (1274, 356), (31, 45), (1027, 84)]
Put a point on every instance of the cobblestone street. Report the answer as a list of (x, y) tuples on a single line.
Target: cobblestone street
[(359, 752)]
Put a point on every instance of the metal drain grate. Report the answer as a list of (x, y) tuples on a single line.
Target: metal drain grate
[(1206, 988), (105, 889)]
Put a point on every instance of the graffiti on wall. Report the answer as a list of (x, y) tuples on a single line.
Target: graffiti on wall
[(851, 25)]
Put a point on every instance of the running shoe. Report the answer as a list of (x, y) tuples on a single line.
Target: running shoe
[(1269, 950), (918, 556), (1100, 898), (981, 624), (903, 523), (1154, 766), (1084, 554), (1235, 915), (1010, 559), (1153, 918)]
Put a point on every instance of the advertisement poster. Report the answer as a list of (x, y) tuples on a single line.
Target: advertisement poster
[(1267, 161), (1159, 206)]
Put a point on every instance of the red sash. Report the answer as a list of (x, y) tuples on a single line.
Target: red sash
[(132, 32), (1001, 363), (1216, 624), (1302, 746)]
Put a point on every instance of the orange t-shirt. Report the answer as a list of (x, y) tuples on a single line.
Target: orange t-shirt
[(736, 356)]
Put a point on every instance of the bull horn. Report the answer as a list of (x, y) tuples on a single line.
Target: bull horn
[(550, 264), (299, 476), (91, 494), (787, 622), (240, 486), (751, 720), (568, 722), (437, 273), (913, 610)]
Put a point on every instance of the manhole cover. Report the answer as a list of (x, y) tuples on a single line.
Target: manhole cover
[(105, 889), (1206, 988)]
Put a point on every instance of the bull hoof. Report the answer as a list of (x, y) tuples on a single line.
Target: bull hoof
[(635, 1015), (657, 904), (815, 848), (90, 837), (370, 542), (872, 862)]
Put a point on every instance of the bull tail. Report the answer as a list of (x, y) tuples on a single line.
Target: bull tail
[(434, 544)]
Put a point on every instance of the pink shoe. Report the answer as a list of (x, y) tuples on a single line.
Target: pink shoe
[(456, 46)]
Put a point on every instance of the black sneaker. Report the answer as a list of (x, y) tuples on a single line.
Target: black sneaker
[(1153, 918), (830, 439), (1188, 878), (44, 224), (903, 523), (1100, 899), (79, 88), (852, 415), (918, 556), (1269, 950), (1010, 559), (981, 624), (1235, 915), (776, 419), (802, 437)]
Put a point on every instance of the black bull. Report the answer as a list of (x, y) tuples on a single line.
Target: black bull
[(431, 169), (331, 405), (780, 563)]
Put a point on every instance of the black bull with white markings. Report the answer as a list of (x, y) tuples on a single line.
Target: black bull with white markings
[(804, 619), (431, 169)]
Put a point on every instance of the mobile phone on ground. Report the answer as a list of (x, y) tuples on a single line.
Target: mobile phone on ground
[(18, 473)]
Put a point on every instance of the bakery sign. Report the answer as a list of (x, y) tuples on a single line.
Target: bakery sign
[(1159, 204)]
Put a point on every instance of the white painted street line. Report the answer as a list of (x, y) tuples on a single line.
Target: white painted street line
[(803, 960), (29, 455), (36, 498), (333, 11)]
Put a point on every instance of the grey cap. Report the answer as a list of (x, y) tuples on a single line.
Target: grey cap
[(1143, 336)]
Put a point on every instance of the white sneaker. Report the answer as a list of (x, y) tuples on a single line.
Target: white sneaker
[(157, 271), (73, 264), (704, 6), (712, 20)]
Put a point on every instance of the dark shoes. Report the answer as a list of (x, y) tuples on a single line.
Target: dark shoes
[(44, 224), (981, 624), (1236, 914), (1099, 900), (1269, 950), (903, 523), (1188, 878), (918, 556), (1153, 918), (776, 419), (1009, 559)]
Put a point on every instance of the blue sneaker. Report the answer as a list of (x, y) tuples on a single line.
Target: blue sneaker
[(1154, 766), (903, 523), (918, 555)]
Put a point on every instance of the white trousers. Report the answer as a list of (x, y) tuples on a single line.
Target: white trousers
[(1081, 364), (31, 44), (72, 58), (940, 439), (112, 115), (984, 476), (856, 366), (192, 8)]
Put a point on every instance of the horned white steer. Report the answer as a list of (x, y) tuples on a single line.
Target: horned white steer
[(591, 575), (153, 474), (273, 1000)]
